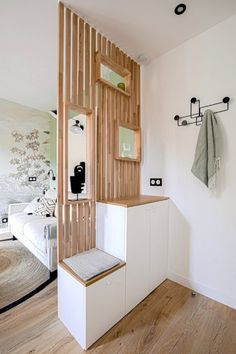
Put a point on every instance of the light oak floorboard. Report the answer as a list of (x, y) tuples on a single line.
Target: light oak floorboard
[(169, 321)]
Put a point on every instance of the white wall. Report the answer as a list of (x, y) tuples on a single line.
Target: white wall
[(202, 245)]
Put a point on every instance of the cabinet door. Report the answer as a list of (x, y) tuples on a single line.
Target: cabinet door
[(105, 305), (159, 226), (137, 265)]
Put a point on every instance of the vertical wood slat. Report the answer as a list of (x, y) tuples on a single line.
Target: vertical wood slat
[(86, 227), (81, 62), (60, 91), (103, 140), (68, 55), (138, 119), (93, 106), (80, 233), (67, 231), (93, 241), (99, 42), (74, 229), (74, 57), (99, 128), (87, 65), (65, 153), (108, 144), (104, 46)]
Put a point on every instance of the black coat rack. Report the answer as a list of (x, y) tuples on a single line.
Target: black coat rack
[(197, 117)]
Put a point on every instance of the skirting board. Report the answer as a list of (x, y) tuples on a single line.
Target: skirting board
[(203, 290)]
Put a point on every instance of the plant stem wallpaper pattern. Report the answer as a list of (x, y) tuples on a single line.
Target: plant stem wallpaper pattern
[(24, 152)]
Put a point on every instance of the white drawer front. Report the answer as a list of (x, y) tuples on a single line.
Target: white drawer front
[(105, 305)]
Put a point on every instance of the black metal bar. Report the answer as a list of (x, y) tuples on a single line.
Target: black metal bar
[(213, 104)]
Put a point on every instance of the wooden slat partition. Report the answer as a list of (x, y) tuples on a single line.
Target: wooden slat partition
[(109, 178)]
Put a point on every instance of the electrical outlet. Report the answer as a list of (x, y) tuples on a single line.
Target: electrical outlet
[(156, 182), (32, 179)]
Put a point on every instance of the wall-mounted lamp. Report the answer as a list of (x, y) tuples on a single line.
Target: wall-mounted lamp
[(51, 174), (75, 128)]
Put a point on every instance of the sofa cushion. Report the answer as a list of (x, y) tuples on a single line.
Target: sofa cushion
[(34, 231), (90, 263), (32, 206), (46, 207), (19, 220), (51, 194)]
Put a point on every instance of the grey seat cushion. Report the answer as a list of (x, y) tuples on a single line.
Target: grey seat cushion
[(91, 263)]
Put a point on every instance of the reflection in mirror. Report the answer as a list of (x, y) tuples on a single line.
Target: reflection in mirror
[(77, 169), (126, 143), (112, 77)]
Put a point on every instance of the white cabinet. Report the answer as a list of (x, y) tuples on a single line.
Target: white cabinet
[(139, 236), (89, 312)]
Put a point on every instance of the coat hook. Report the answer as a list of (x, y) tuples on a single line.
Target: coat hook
[(197, 117), (226, 99), (193, 100)]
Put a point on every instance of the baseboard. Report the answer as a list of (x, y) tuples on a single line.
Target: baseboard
[(203, 290)]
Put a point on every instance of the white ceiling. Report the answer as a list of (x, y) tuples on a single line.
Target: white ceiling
[(28, 52), (28, 37), (150, 27)]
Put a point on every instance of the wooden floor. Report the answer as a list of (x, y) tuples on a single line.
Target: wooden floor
[(169, 321)]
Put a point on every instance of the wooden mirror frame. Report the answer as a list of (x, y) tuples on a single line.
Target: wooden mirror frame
[(137, 142), (89, 154)]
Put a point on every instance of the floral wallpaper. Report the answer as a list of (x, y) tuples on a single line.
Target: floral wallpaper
[(24, 152), (28, 160)]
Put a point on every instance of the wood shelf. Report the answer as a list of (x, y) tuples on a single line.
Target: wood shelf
[(80, 201), (128, 159), (113, 86)]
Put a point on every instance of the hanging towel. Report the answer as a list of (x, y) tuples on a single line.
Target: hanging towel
[(207, 155)]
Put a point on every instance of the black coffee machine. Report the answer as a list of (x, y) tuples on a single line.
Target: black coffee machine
[(77, 182)]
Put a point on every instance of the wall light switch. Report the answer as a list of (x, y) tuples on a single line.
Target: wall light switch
[(32, 179), (155, 182)]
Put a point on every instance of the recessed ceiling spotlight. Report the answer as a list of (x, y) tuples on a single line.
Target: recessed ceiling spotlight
[(180, 9), (142, 58)]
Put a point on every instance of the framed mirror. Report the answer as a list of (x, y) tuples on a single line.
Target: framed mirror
[(128, 142), (77, 153)]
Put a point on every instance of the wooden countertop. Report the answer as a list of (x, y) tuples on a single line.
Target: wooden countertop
[(135, 201)]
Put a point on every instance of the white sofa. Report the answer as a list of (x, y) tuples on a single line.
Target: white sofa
[(37, 233)]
